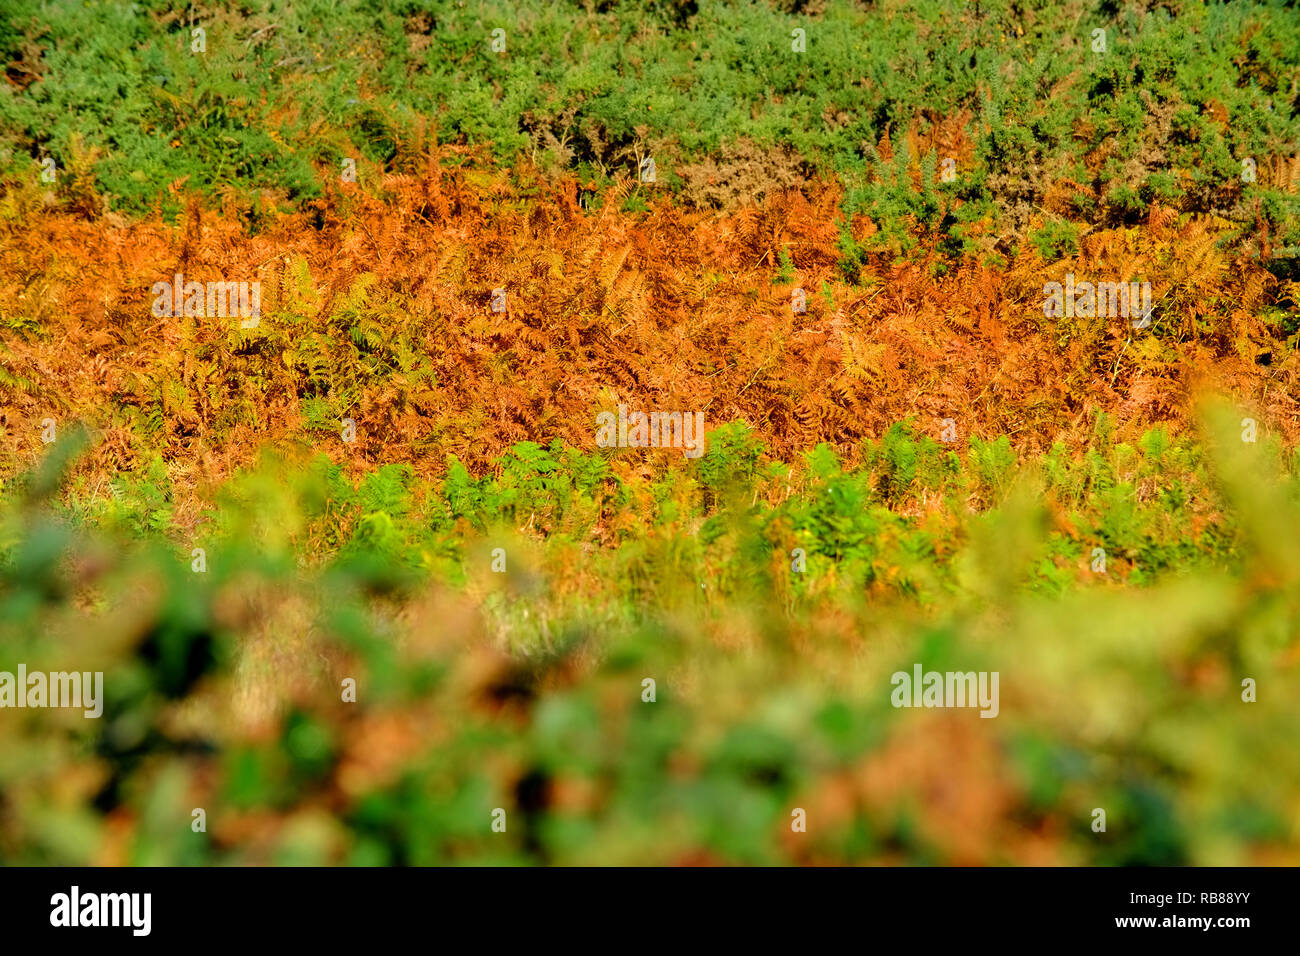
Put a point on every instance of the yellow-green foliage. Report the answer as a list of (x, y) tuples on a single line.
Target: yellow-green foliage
[(523, 690)]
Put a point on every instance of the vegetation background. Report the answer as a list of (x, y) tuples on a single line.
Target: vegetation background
[(326, 560)]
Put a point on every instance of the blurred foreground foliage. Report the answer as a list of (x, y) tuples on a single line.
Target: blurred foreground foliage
[(523, 690)]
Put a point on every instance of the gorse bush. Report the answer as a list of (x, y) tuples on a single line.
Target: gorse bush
[(1033, 117)]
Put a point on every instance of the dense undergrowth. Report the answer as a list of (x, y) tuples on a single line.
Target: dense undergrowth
[(359, 576), (524, 690), (1050, 136), (890, 524), (382, 312)]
